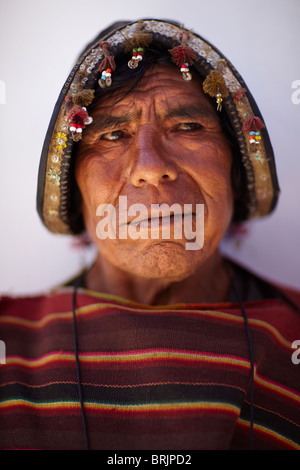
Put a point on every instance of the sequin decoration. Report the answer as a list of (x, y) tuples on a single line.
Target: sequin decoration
[(61, 141), (53, 176)]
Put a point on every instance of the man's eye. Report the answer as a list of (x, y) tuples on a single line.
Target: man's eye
[(189, 126), (114, 135)]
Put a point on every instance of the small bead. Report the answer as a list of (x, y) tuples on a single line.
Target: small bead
[(53, 212), (187, 76), (132, 64)]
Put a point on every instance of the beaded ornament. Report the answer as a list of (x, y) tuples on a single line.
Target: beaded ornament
[(136, 45), (183, 56), (77, 116), (107, 65), (252, 126), (215, 85)]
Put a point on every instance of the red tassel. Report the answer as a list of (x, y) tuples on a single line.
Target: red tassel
[(78, 115), (182, 54), (107, 63), (253, 124)]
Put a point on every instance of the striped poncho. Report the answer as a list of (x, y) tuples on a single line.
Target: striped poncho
[(173, 377)]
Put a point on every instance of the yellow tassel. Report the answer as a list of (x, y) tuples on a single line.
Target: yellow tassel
[(141, 38), (84, 97), (214, 84)]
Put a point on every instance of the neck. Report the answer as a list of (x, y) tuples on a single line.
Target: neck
[(208, 284)]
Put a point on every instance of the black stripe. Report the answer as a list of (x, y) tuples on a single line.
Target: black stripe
[(138, 395)]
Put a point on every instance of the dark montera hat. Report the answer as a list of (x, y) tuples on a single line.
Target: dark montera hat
[(95, 69)]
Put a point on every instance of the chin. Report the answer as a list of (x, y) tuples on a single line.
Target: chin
[(164, 260)]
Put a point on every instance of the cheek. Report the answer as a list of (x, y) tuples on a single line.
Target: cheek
[(209, 163), (213, 173), (98, 185), (96, 180)]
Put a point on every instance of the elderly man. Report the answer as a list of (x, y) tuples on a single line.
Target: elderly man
[(155, 148)]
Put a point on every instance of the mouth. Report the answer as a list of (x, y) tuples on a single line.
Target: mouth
[(159, 221), (159, 216)]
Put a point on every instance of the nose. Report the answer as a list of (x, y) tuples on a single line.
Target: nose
[(152, 163)]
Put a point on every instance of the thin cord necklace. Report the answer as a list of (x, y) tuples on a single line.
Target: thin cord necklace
[(251, 356)]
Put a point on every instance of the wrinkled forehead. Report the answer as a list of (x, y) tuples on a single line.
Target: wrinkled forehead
[(160, 90)]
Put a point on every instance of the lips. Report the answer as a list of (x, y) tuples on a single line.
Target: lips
[(164, 221), (158, 215), (161, 221)]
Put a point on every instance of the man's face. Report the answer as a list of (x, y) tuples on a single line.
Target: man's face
[(162, 143)]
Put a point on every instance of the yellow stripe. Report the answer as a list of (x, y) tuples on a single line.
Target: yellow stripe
[(115, 358), (153, 355), (270, 432), (11, 360), (275, 387), (167, 407), (44, 405), (36, 324), (272, 330), (132, 408)]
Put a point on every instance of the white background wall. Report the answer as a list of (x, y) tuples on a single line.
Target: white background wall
[(40, 40)]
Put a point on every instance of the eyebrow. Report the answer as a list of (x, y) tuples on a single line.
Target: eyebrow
[(107, 121), (188, 111)]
